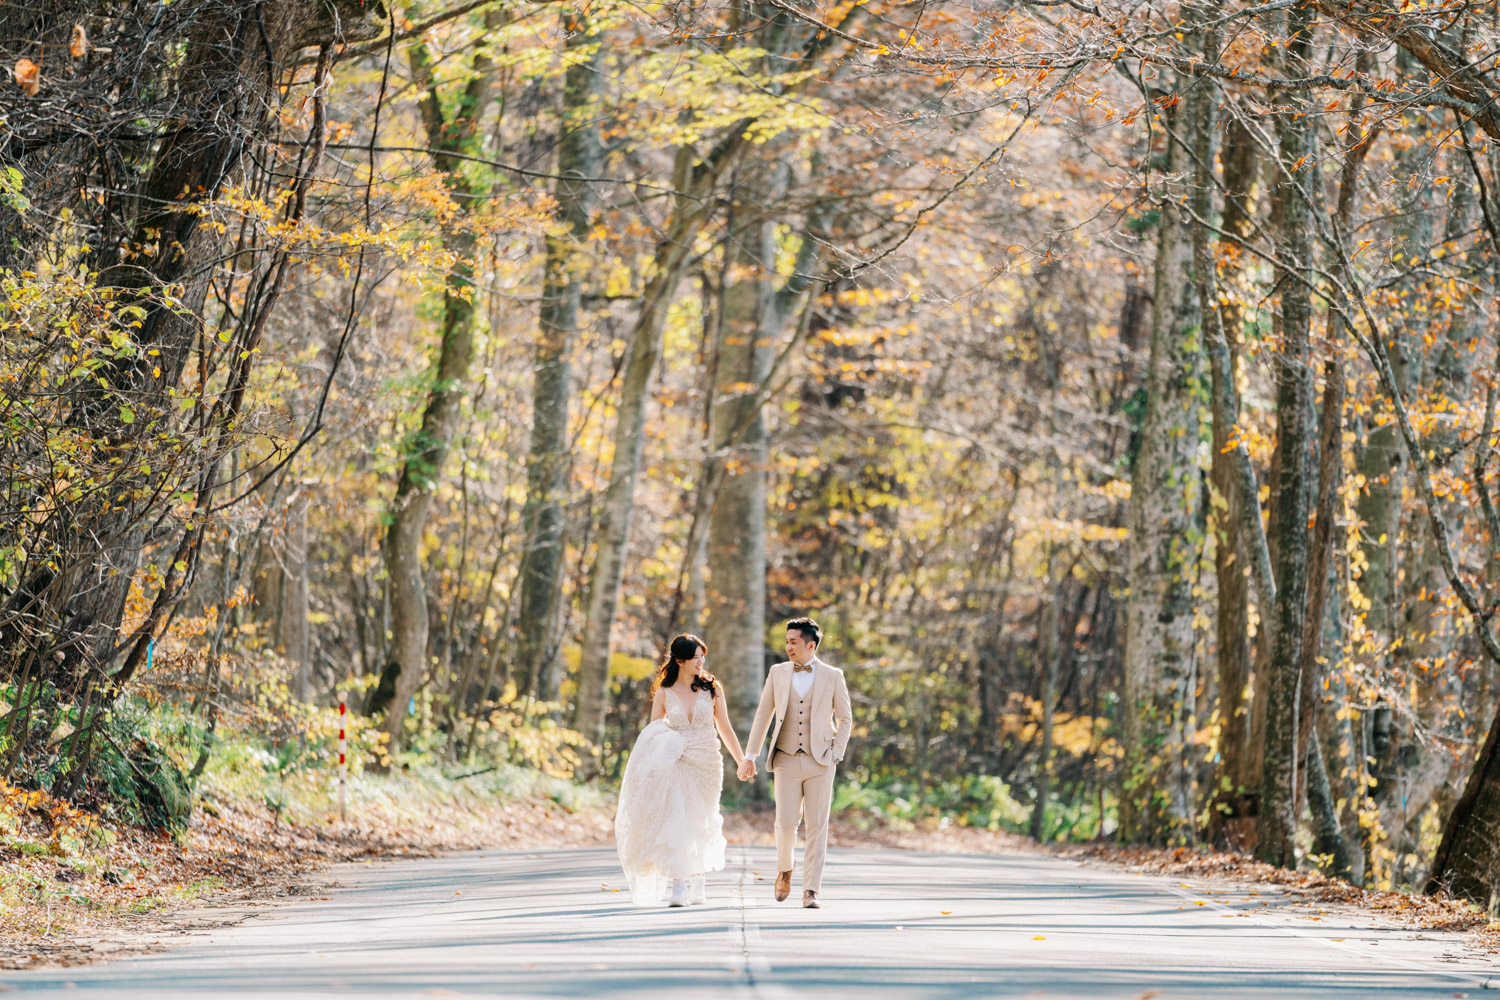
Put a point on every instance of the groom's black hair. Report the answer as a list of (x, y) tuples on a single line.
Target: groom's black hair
[(809, 629)]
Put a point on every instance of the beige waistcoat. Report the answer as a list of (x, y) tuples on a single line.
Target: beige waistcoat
[(796, 728)]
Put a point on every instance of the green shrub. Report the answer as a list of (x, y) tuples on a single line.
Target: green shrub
[(978, 800), (122, 762)]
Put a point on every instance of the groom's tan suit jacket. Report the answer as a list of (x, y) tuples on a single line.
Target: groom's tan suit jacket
[(832, 719)]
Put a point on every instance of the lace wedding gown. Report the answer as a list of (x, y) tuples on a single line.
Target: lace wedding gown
[(668, 824)]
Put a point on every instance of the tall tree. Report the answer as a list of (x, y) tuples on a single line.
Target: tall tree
[(694, 179), (220, 69), (1296, 429), (425, 450), (756, 317), (579, 161), (1231, 551), (1156, 803)]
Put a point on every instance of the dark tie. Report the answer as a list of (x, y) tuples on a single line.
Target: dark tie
[(799, 667)]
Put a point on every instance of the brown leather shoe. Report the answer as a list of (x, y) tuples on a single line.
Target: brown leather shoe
[(783, 885), (810, 900)]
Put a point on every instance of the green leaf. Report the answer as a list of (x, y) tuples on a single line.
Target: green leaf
[(127, 414)]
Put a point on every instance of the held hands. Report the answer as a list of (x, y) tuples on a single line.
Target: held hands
[(746, 769)]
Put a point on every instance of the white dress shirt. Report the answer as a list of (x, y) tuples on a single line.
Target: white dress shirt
[(802, 680)]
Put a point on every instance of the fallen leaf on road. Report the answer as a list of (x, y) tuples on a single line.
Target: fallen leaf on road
[(1040, 937), (945, 912)]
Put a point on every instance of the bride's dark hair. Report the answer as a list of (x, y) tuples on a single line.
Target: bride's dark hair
[(684, 647)]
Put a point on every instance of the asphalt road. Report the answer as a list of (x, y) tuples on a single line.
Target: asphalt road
[(894, 924)]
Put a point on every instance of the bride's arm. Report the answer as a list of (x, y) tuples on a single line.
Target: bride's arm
[(659, 705), (726, 731)]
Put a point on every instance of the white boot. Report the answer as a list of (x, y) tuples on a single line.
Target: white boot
[(679, 893), (698, 890)]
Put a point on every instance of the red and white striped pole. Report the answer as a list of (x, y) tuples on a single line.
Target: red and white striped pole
[(343, 748)]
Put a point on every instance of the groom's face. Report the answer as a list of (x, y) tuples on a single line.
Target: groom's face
[(799, 648)]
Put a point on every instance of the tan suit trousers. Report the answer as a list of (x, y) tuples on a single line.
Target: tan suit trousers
[(804, 790)]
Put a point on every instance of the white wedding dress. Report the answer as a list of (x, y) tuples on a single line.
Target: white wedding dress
[(668, 824)]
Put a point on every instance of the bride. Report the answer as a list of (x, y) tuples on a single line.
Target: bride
[(668, 828)]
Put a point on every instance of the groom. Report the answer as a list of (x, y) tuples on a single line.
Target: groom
[(810, 705)]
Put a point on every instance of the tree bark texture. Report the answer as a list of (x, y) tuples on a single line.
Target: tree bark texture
[(755, 316), (1231, 553), (1156, 804), (1277, 825), (1310, 670), (1467, 862), (579, 160), (426, 450)]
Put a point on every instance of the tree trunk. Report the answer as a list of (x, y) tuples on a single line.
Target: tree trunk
[(1156, 802), (296, 642), (673, 254), (1467, 862), (619, 499), (233, 58), (579, 160), (1232, 799), (755, 315), (1420, 770), (1276, 828), (1310, 671), (1328, 836), (426, 451), (1047, 649)]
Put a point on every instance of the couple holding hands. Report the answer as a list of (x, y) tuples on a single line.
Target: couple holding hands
[(668, 829)]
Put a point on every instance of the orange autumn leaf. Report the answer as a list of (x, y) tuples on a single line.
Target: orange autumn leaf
[(28, 76), (79, 46)]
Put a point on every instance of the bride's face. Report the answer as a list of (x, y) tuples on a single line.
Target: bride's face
[(694, 666)]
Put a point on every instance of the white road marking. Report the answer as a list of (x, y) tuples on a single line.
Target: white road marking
[(751, 945)]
